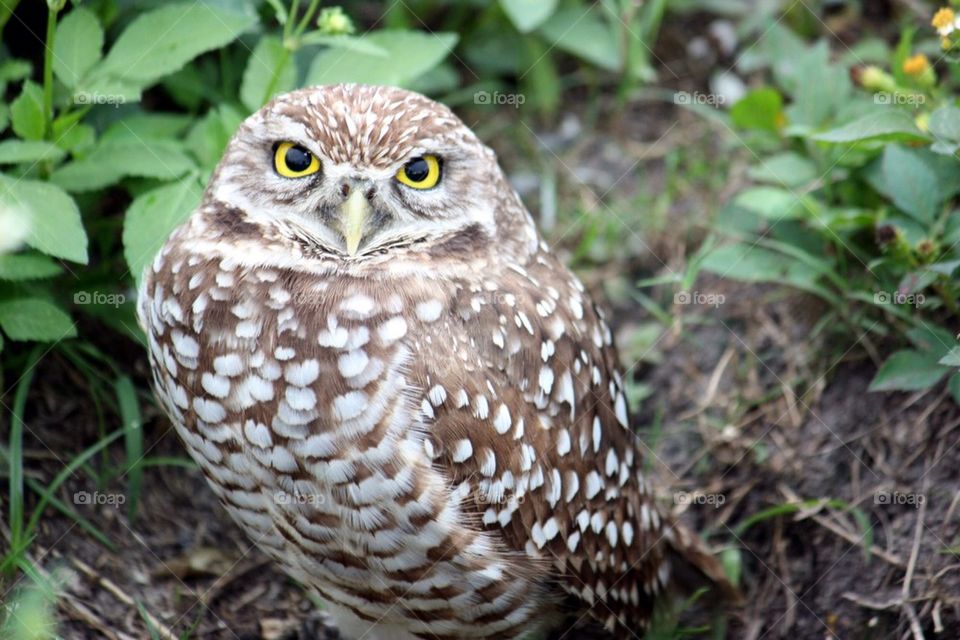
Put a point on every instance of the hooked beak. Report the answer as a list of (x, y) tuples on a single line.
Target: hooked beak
[(354, 214)]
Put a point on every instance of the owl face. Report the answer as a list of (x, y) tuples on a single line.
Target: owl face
[(357, 171)]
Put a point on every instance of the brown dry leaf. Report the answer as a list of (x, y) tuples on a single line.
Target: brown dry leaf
[(200, 561)]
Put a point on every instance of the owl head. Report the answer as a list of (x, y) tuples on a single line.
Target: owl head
[(358, 171)]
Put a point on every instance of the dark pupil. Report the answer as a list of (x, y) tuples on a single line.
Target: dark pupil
[(417, 169), (297, 159)]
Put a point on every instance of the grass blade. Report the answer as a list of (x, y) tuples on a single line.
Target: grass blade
[(132, 438)]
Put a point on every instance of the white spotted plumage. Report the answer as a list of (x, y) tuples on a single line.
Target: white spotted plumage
[(438, 415)]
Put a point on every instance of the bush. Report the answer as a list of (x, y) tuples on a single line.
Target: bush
[(853, 196)]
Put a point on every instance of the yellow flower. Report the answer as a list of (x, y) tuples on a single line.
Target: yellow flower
[(915, 65), (945, 21)]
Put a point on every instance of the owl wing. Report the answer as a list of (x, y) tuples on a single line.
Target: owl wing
[(528, 409)]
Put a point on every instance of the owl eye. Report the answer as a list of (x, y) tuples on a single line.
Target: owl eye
[(293, 161), (420, 173)]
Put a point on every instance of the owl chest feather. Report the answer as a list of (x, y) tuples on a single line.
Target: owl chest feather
[(303, 405)]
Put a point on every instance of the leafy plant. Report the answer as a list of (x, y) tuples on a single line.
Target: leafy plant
[(853, 197)]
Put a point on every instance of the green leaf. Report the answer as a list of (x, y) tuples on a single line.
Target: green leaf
[(585, 35), (17, 151), (945, 123), (527, 15), (100, 90), (35, 319), (908, 370), (776, 203), (888, 124), (952, 359), (945, 127), (822, 87), (270, 67), (26, 112), (55, 225), (161, 41), (208, 138), (751, 263), (341, 41), (931, 338), (27, 266), (785, 169), (397, 68), (152, 216), (760, 109), (77, 46), (78, 137), (911, 182), (121, 157), (149, 126), (12, 70)]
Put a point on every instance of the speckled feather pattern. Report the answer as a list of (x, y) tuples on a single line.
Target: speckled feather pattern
[(432, 435)]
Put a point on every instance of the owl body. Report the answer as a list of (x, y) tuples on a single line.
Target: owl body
[(425, 426)]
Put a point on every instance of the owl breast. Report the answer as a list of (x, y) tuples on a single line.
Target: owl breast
[(298, 397)]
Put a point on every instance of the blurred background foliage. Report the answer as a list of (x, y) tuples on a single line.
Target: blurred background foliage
[(117, 111)]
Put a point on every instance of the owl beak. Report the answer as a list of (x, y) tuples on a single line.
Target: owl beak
[(354, 214)]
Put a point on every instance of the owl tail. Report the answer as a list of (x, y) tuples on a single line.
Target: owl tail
[(693, 567)]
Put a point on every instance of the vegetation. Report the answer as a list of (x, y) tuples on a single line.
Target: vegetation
[(112, 127), (853, 194)]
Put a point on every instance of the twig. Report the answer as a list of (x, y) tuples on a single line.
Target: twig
[(162, 630), (224, 580), (849, 536), (911, 565), (937, 621), (869, 603)]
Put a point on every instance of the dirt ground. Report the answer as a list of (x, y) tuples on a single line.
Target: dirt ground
[(842, 505)]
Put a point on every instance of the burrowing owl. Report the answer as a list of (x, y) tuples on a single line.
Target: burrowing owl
[(396, 389)]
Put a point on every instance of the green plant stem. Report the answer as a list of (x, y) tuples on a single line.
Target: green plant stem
[(288, 26), (48, 73), (307, 16), (16, 449), (275, 76)]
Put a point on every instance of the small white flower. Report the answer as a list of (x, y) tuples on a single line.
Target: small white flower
[(14, 228)]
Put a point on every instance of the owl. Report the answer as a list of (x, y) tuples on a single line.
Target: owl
[(397, 390)]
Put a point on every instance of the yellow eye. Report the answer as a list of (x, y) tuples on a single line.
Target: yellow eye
[(420, 173), (293, 161)]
